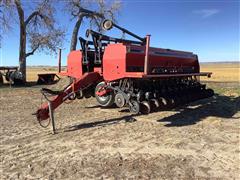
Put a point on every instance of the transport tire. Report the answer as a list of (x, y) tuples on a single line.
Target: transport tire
[(104, 101)]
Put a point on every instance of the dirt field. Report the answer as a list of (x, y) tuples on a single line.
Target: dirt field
[(198, 141)]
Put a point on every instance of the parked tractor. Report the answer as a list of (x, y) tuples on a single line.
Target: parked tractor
[(128, 73)]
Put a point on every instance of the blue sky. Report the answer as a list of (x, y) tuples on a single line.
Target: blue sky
[(207, 28)]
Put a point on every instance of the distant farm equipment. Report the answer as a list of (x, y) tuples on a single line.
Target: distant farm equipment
[(11, 75), (47, 78), (128, 73), (14, 77)]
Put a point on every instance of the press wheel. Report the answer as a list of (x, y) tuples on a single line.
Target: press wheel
[(145, 107), (154, 103), (134, 107), (120, 100)]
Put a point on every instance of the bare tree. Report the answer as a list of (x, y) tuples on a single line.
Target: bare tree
[(4, 18), (38, 27), (94, 10)]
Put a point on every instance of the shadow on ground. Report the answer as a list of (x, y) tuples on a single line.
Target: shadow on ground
[(103, 123), (217, 106)]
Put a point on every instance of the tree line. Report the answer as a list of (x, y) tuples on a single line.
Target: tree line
[(39, 29)]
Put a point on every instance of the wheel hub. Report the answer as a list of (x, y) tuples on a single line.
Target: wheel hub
[(120, 100)]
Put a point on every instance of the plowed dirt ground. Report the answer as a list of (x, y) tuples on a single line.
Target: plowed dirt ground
[(196, 141)]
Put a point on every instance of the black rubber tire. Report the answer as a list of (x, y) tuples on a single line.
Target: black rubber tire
[(154, 104), (104, 101), (145, 107), (162, 102)]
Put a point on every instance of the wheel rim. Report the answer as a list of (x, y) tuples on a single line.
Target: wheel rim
[(119, 100), (106, 100), (103, 98)]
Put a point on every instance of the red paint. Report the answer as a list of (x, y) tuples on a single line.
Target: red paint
[(74, 64), (114, 62), (103, 91), (118, 58), (146, 60)]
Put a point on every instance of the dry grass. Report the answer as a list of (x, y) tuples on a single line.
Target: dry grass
[(32, 72), (222, 72)]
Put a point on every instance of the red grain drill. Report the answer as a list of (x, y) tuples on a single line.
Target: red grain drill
[(128, 73)]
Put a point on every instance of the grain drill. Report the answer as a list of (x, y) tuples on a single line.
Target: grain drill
[(128, 73)]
